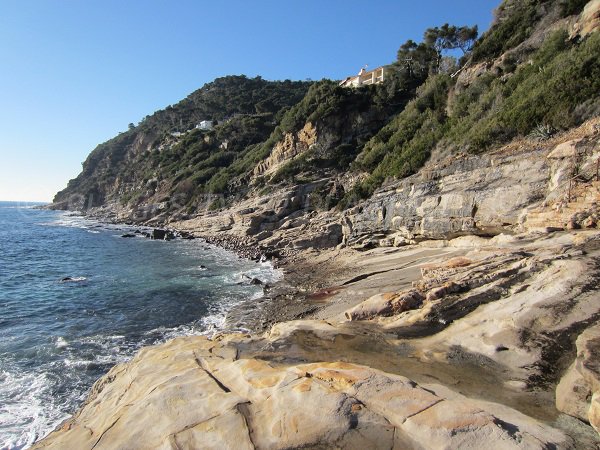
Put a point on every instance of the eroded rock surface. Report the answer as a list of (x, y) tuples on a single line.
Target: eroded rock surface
[(579, 390), (550, 186), (198, 393)]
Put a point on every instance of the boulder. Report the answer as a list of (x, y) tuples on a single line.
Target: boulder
[(158, 234), (564, 150)]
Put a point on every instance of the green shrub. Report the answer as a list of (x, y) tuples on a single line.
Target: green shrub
[(514, 23)]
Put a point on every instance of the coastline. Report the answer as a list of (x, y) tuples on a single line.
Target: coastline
[(303, 319), (407, 345)]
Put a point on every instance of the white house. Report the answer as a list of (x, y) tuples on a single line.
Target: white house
[(205, 125), (363, 78)]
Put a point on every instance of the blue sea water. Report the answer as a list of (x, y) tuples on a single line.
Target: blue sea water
[(57, 338)]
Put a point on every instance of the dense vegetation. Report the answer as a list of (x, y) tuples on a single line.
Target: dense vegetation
[(557, 88), (516, 21)]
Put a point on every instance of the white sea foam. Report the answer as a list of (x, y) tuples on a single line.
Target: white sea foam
[(61, 342), (27, 410)]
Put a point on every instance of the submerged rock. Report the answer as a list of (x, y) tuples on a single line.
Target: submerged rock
[(72, 279)]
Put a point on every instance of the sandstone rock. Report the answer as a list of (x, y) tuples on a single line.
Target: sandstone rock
[(447, 288), (578, 393), (329, 236), (477, 194), (588, 222), (594, 412), (400, 241), (564, 150), (291, 146), (589, 20), (386, 304), (195, 393), (573, 394)]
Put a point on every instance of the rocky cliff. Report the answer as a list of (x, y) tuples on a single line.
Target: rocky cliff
[(524, 186)]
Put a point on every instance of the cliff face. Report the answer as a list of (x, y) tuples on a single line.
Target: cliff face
[(292, 145), (525, 186)]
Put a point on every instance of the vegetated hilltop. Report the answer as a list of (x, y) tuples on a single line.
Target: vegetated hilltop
[(532, 74), (165, 154)]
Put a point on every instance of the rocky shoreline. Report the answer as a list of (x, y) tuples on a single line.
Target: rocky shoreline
[(432, 341)]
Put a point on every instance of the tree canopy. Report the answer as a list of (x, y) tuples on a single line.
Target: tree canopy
[(422, 59)]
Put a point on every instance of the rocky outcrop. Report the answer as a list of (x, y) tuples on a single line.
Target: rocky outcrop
[(578, 393), (484, 194), (588, 21), (513, 189), (573, 191), (292, 145), (386, 304)]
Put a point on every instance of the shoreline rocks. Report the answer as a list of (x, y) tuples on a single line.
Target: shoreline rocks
[(199, 392)]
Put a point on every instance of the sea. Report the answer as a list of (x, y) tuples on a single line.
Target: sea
[(77, 298)]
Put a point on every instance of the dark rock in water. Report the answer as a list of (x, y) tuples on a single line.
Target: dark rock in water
[(137, 232), (202, 266), (256, 282), (72, 279), (128, 235), (158, 234), (146, 234)]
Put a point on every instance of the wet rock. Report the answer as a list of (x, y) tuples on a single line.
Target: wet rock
[(158, 234), (128, 235)]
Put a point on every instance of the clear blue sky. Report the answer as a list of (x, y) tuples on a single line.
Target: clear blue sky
[(75, 72)]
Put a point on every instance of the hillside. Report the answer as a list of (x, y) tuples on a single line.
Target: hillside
[(541, 81)]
